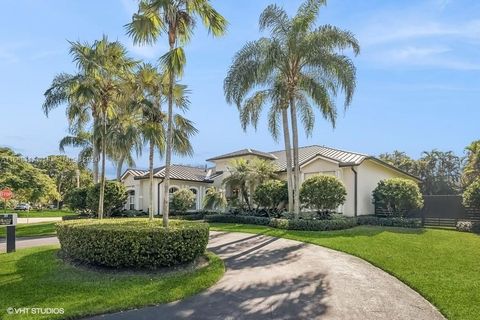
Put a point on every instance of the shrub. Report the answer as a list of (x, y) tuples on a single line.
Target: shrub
[(115, 197), (132, 243), (397, 196), (468, 226), (390, 222), (471, 195), (322, 193), (182, 200), (271, 194), (287, 224), (76, 199)]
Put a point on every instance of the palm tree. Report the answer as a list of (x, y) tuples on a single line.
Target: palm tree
[(214, 199), (152, 88), (106, 68), (471, 170), (239, 178), (297, 65), (176, 18)]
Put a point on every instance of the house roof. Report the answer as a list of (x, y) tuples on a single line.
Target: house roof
[(244, 152), (342, 157), (306, 154), (182, 172), (133, 172)]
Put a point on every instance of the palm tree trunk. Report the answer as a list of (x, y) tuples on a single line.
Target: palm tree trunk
[(296, 169), (150, 168), (288, 154), (77, 176), (120, 162), (168, 151), (102, 179), (95, 155)]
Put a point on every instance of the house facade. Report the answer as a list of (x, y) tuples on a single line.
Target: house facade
[(360, 173)]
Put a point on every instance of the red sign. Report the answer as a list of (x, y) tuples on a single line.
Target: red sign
[(6, 194)]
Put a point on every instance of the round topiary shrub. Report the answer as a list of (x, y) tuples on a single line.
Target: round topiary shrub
[(271, 194), (132, 243), (182, 200), (471, 195), (397, 196), (322, 193)]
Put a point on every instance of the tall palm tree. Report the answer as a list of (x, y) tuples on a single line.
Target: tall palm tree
[(299, 64), (106, 68), (152, 88), (177, 19)]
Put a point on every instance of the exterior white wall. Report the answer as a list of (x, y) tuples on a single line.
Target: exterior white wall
[(201, 188), (370, 173), (348, 179)]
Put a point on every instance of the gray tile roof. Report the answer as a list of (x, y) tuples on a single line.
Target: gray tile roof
[(134, 173), (305, 154), (244, 152), (181, 172)]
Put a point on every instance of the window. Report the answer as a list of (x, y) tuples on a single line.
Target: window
[(131, 200), (171, 191), (195, 192)]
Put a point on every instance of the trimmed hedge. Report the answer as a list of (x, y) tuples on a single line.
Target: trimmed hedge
[(300, 224), (317, 225), (389, 222), (132, 243)]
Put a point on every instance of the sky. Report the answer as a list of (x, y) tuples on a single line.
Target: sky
[(418, 74)]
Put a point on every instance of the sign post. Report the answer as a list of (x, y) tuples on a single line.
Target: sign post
[(8, 220)]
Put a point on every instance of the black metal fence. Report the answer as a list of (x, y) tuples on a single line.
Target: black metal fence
[(441, 211)]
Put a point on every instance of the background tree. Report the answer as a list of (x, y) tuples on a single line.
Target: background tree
[(176, 19), (471, 171), (440, 172), (29, 184), (402, 161), (65, 172), (115, 197), (301, 63)]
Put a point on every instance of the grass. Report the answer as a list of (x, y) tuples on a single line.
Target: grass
[(35, 277), (44, 213), (442, 265), (31, 230)]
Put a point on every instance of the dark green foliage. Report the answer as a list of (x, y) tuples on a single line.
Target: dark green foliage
[(115, 197), (322, 193), (397, 196), (76, 199), (132, 243), (298, 224), (271, 194), (389, 222), (471, 195), (182, 200)]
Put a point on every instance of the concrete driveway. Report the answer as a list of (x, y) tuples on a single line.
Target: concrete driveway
[(270, 278)]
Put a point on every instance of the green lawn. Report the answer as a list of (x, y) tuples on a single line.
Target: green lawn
[(44, 213), (442, 265), (35, 277), (31, 230)]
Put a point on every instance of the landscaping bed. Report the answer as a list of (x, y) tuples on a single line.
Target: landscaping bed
[(36, 277), (132, 243)]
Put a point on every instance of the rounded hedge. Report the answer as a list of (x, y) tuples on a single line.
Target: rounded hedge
[(397, 196), (322, 193), (132, 243)]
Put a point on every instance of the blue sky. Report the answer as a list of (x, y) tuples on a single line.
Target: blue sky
[(418, 73)]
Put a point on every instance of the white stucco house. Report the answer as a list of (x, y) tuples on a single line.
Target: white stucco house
[(360, 174)]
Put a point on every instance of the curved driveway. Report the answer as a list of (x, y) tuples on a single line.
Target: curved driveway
[(270, 278)]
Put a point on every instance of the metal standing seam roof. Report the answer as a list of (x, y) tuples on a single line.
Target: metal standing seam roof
[(134, 173), (244, 152), (306, 154), (182, 172)]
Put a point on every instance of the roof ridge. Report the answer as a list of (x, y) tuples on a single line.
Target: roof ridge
[(343, 150)]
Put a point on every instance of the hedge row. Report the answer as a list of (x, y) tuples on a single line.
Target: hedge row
[(389, 222), (132, 243), (287, 224), (316, 225)]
